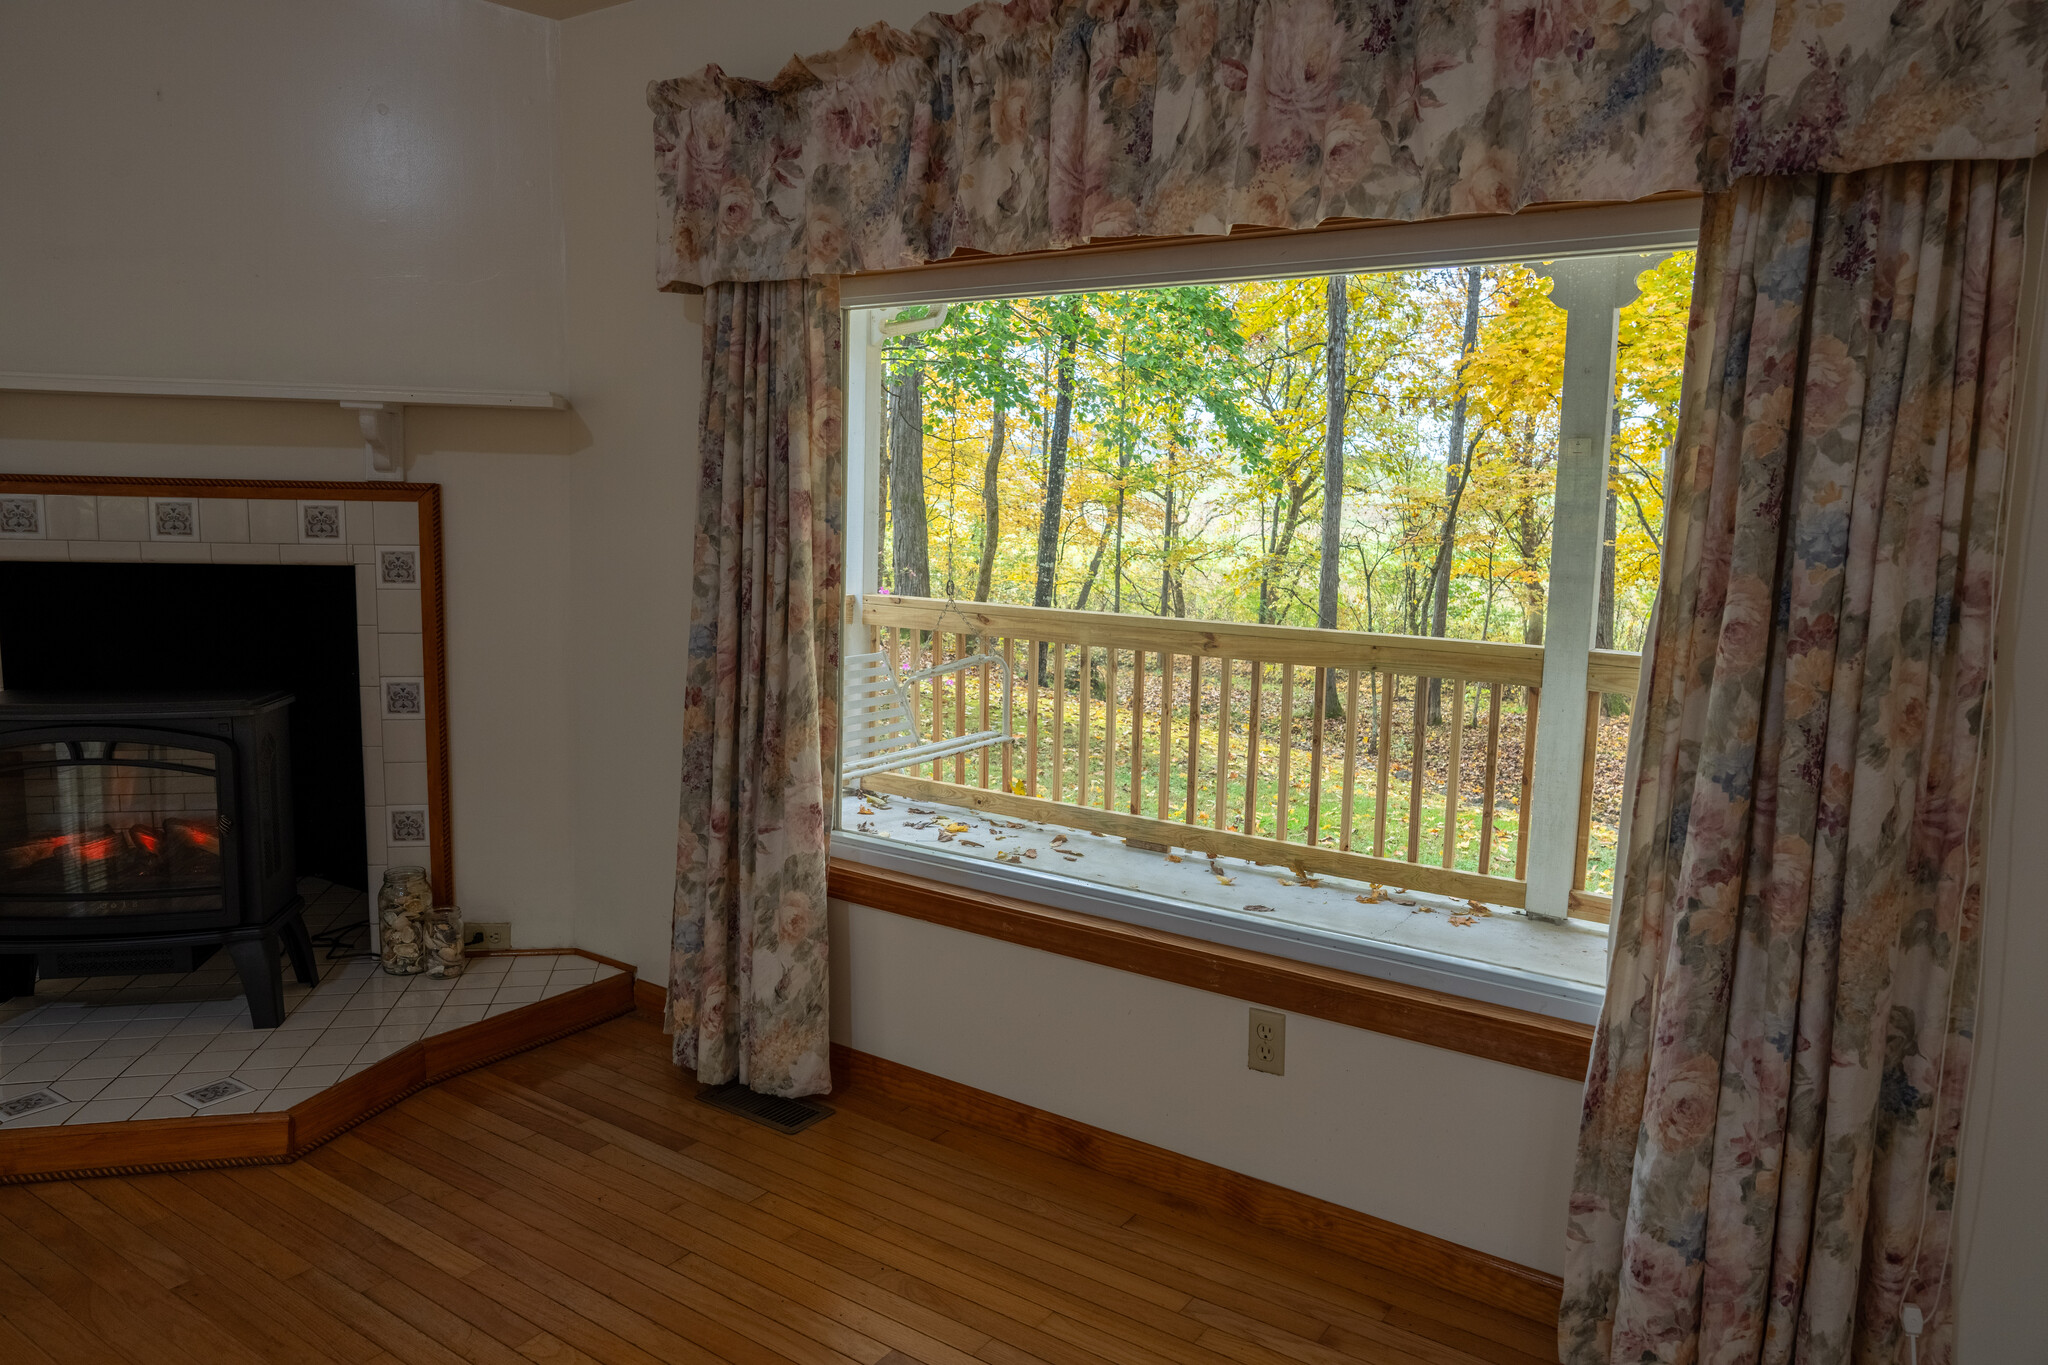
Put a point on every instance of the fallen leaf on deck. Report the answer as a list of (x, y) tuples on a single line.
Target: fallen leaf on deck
[(1478, 909), (1224, 880), (1370, 900), (956, 828), (1173, 857), (1058, 839), (1260, 909), (1463, 921), (1288, 881), (865, 811), (969, 843), (945, 836), (919, 810), (1031, 853)]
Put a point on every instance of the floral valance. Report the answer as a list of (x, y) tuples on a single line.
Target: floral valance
[(1041, 124)]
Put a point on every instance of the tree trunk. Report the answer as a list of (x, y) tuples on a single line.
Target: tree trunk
[(991, 510), (1094, 568), (1055, 486), (1456, 460), (1338, 304), (884, 575), (1055, 475), (1166, 551), (911, 544)]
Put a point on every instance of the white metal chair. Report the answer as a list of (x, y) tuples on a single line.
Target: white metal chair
[(881, 728)]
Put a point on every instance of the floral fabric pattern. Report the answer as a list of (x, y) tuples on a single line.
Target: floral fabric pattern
[(747, 976), (1766, 1166), (1039, 124)]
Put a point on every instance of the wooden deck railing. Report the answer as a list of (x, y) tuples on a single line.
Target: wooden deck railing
[(1394, 759)]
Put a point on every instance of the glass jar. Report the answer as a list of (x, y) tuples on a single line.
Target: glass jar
[(402, 907), (444, 942)]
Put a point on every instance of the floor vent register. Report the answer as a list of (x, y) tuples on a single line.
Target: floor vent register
[(783, 1115)]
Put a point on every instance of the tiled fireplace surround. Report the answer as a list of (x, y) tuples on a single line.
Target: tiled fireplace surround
[(381, 539)]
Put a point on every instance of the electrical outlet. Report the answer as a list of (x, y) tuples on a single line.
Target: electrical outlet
[(487, 935), (1268, 1050)]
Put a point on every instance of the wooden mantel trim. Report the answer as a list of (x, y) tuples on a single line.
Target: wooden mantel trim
[(1538, 1042)]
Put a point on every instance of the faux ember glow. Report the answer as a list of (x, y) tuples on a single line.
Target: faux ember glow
[(184, 851)]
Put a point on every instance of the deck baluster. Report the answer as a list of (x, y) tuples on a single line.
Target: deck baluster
[(1452, 773), (1492, 775), (1350, 756)]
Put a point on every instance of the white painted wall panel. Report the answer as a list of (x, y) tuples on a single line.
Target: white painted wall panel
[(354, 191)]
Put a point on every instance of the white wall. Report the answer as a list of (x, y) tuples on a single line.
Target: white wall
[(354, 191), (634, 371), (1467, 1149)]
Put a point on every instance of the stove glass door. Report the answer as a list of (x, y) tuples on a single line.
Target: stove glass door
[(93, 828)]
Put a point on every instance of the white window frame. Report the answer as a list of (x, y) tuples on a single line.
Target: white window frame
[(1579, 244)]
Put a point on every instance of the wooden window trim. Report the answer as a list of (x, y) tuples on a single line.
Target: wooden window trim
[(1537, 1042)]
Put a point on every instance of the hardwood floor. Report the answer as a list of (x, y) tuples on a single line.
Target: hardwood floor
[(575, 1204)]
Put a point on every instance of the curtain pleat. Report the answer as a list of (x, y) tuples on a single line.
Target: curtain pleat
[(748, 973), (1767, 1161)]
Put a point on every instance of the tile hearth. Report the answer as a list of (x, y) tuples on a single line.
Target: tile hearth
[(109, 1049)]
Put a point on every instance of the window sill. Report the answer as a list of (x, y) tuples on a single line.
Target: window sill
[(1160, 939)]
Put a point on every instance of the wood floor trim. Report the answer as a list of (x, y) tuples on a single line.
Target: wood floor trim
[(1537, 1042), (1515, 1288), (66, 1152)]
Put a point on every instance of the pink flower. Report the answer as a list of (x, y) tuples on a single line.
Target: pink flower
[(735, 207), (1681, 1113)]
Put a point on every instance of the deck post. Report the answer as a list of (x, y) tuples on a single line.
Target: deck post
[(1592, 290)]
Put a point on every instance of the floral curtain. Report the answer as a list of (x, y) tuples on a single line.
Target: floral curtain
[(1046, 123), (1767, 1163), (747, 979)]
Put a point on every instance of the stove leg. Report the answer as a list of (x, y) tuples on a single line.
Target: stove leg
[(299, 944), (262, 978), (17, 975)]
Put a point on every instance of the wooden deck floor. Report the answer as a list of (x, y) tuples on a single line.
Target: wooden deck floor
[(575, 1204)]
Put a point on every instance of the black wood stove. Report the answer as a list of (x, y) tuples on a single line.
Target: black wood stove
[(141, 832)]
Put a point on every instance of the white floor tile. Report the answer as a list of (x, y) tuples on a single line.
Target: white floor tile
[(132, 1087), (163, 1107), (97, 1068), (158, 1064), (317, 1077), (105, 1111), (516, 995), (80, 1090), (281, 1099)]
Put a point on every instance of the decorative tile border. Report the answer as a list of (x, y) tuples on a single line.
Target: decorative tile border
[(407, 825), (388, 533), (403, 698), (322, 523), (174, 519), (21, 516), (398, 566)]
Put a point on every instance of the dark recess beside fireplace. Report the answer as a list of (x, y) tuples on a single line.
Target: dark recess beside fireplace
[(139, 833), (155, 629)]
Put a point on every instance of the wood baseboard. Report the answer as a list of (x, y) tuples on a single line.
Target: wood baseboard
[(650, 1001), (68, 1152), (1514, 1288)]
